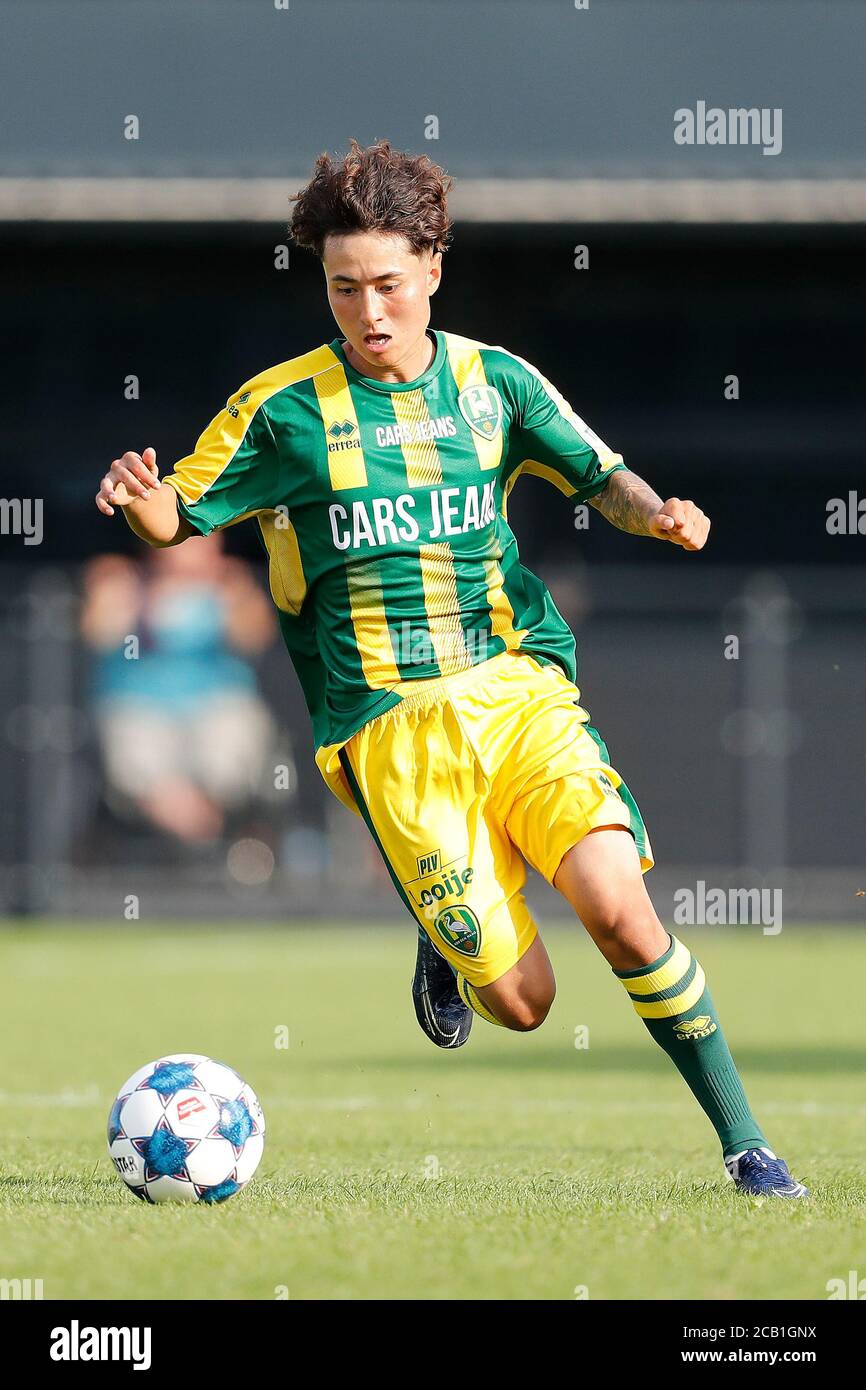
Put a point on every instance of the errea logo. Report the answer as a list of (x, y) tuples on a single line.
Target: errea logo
[(690, 1029), (342, 434), (339, 428)]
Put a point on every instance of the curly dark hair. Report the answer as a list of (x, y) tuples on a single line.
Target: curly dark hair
[(376, 189)]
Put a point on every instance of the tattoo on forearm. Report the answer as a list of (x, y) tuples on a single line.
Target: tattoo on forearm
[(628, 503)]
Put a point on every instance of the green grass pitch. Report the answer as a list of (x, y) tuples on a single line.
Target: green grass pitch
[(520, 1167)]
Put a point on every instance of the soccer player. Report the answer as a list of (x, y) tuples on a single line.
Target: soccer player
[(439, 676)]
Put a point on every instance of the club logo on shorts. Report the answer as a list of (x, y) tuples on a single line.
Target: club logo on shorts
[(459, 929), (693, 1028), (481, 408)]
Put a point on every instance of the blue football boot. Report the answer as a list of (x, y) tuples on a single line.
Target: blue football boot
[(760, 1173)]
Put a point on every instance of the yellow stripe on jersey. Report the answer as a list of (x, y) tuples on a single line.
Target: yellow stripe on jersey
[(438, 575), (423, 464), (444, 623), (543, 470), (347, 466), (372, 634), (467, 369), (285, 570), (503, 508), (501, 612), (217, 446)]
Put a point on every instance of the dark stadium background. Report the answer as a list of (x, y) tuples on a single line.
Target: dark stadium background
[(640, 344)]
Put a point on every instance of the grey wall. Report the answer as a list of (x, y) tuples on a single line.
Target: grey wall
[(520, 87)]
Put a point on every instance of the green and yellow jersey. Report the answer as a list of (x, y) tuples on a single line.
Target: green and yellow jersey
[(383, 510)]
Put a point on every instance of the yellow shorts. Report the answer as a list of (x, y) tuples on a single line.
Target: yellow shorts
[(467, 774)]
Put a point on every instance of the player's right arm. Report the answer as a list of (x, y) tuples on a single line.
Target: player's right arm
[(132, 483)]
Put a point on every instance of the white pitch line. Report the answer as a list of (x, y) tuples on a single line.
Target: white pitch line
[(80, 1100), (72, 1100)]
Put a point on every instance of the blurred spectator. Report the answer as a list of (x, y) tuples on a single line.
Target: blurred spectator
[(185, 735)]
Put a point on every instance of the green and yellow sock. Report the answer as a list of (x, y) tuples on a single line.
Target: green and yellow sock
[(470, 997), (671, 996)]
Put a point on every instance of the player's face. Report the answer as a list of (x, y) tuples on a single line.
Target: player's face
[(379, 291)]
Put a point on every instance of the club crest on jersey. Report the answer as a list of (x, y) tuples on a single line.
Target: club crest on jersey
[(481, 408), (459, 929)]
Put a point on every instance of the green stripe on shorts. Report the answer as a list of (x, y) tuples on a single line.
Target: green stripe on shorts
[(636, 823), (363, 808)]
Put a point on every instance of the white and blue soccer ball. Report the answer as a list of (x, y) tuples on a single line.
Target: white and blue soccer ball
[(186, 1129)]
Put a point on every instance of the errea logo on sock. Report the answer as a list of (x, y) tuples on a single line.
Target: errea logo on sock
[(690, 1029)]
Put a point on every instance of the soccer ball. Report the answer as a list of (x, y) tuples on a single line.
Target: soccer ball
[(186, 1129)]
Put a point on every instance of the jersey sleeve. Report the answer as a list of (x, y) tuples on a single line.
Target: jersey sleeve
[(234, 470), (553, 442)]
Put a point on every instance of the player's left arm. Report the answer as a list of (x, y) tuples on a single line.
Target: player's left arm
[(552, 441), (632, 505)]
